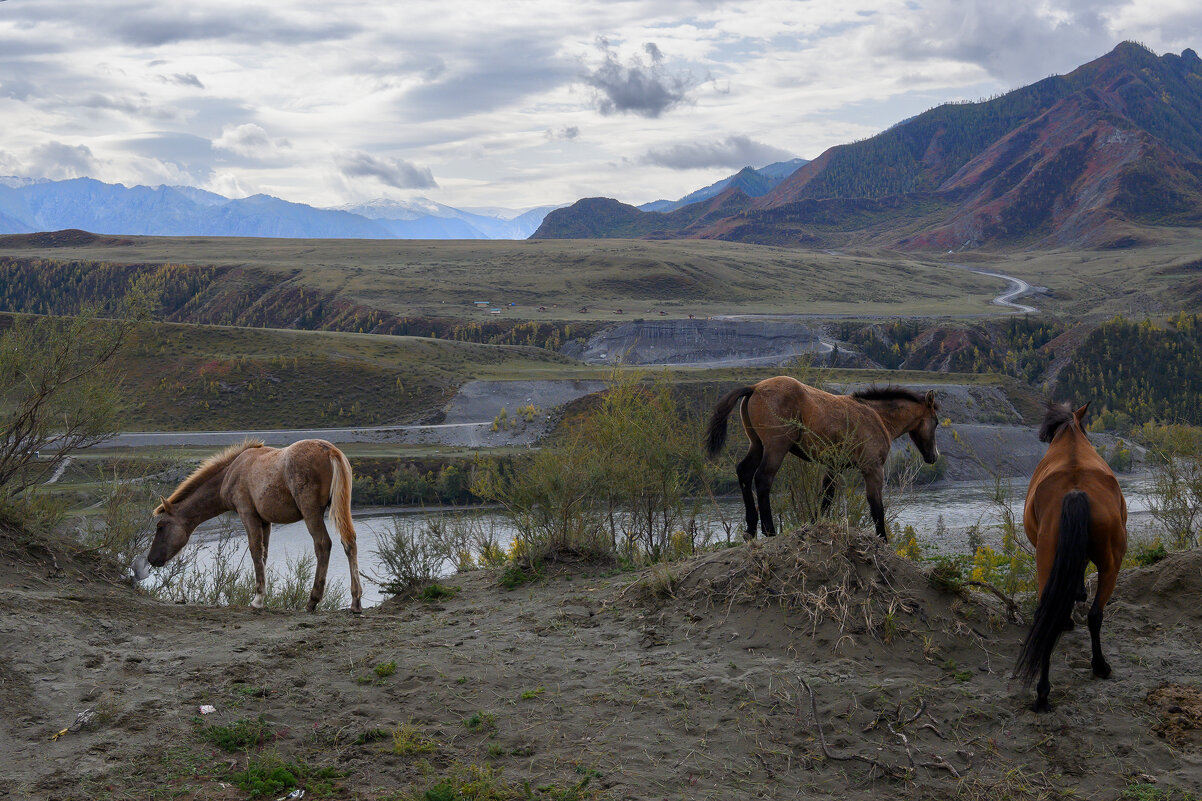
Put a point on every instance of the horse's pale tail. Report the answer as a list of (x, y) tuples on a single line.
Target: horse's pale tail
[(715, 433), (340, 496), (1063, 587), (340, 513)]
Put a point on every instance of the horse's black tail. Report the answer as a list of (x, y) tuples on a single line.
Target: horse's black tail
[(715, 434), (1063, 587)]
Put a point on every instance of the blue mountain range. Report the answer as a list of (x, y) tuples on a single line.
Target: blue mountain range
[(27, 206)]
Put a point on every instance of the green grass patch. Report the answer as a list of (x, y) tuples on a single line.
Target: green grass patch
[(437, 592), (271, 775), (408, 740), (515, 575), (481, 722), (1142, 791), (385, 669), (239, 735)]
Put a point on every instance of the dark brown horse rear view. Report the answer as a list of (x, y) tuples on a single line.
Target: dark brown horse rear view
[(782, 415), (1075, 513)]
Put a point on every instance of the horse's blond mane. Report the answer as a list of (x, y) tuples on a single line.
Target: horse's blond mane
[(208, 467)]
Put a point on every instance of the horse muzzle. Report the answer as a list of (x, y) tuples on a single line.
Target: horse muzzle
[(141, 567)]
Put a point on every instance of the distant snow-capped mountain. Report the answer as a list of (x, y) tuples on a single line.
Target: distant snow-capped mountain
[(29, 205), (423, 214)]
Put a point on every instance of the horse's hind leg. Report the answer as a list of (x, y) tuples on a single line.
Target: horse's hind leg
[(351, 549), (315, 522), (764, 477), (746, 473), (1106, 582)]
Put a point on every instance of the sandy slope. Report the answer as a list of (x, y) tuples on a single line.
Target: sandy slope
[(684, 683)]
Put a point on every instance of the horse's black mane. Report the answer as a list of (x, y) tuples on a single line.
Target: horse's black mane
[(1058, 416), (889, 392)]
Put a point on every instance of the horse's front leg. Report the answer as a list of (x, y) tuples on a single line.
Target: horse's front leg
[(257, 532), (874, 483), (828, 490)]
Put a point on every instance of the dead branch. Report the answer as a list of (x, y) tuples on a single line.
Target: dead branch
[(1012, 608), (888, 770)]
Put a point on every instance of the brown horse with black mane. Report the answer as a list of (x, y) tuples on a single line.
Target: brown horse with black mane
[(1075, 514), (782, 415), (264, 486)]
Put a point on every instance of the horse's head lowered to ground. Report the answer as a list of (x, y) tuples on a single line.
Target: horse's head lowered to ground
[(170, 535)]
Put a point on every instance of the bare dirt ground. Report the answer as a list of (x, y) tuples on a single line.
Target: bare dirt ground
[(687, 681)]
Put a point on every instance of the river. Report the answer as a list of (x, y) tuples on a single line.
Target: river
[(959, 507)]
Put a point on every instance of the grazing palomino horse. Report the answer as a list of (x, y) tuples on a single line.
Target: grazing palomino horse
[(782, 415), (264, 486), (1075, 514)]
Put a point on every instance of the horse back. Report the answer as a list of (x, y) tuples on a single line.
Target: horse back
[(1081, 468), (280, 483), (784, 409)]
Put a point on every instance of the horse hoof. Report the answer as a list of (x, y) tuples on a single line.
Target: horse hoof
[(311, 606), (1102, 671), (1041, 705), (356, 608)]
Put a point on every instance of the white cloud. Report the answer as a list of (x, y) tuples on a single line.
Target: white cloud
[(57, 161), (249, 141)]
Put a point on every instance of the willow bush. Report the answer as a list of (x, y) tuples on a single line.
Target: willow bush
[(626, 481)]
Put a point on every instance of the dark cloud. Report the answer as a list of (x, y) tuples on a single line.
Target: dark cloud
[(566, 132), (638, 87), (733, 151), (184, 79), (57, 161), (392, 172)]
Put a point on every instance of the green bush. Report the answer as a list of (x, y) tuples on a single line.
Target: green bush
[(1149, 553), (619, 482)]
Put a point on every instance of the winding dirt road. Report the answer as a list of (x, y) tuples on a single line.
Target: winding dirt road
[(1018, 288)]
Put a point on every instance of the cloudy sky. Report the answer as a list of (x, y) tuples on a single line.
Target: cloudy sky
[(513, 104)]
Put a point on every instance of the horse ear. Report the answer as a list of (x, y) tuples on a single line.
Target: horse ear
[(1080, 413), (166, 505), (930, 397)]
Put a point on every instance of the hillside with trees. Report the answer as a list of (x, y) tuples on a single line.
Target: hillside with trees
[(1060, 162)]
